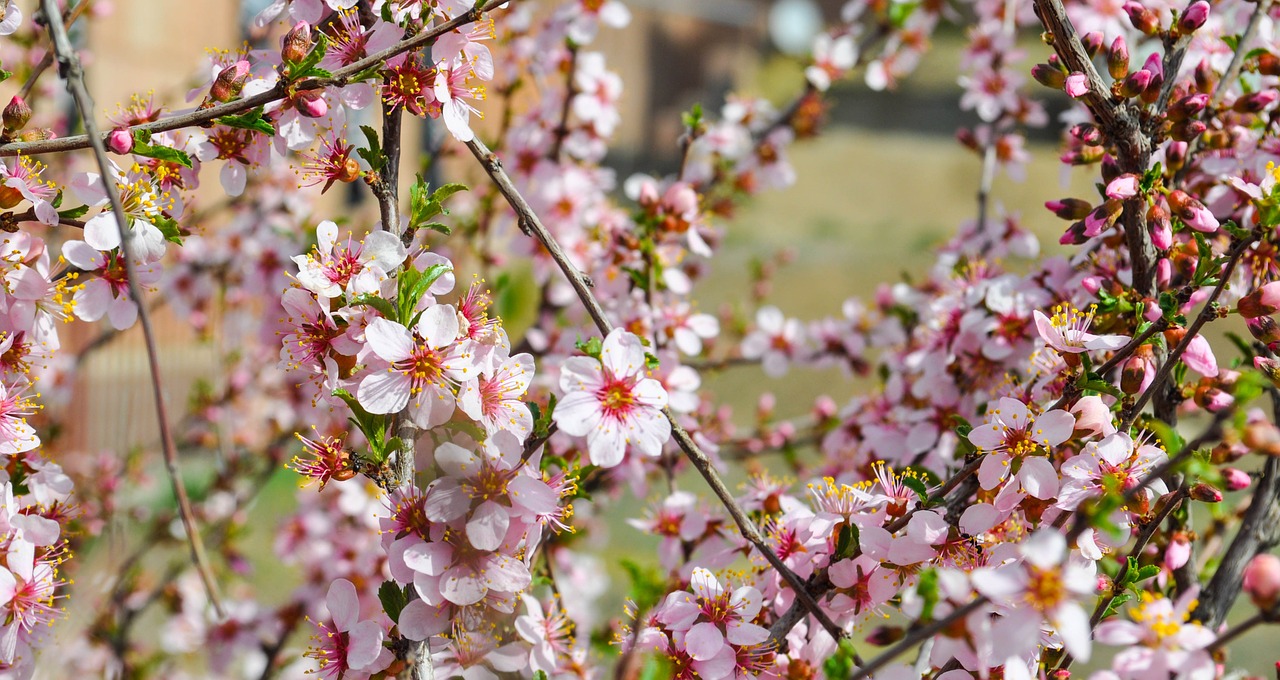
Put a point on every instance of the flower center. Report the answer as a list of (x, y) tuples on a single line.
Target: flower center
[(1045, 589), (616, 398)]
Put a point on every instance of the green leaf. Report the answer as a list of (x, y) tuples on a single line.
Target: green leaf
[(916, 485), (693, 118), (5, 75), (655, 667), (1096, 384), (379, 303), (590, 347), (927, 588), (1146, 572), (1232, 41), (393, 598), (307, 67), (424, 206), (899, 12), (372, 155), (539, 675), (373, 426), (169, 227), (1120, 600), (74, 213), (848, 543), (841, 664), (161, 153), (249, 120)]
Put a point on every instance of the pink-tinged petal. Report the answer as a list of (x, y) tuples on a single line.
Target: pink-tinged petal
[(384, 391), (364, 644), (1072, 624), (704, 584), (419, 621), (1054, 427), (906, 550), (1045, 548), (439, 326), (101, 232), (1039, 478), (579, 374), (993, 470), (606, 445), (93, 300), (679, 611), (343, 603), (1106, 342), (462, 586), (82, 255), (1115, 449), (456, 461), (389, 340), (233, 177), (1009, 498), (987, 437), (121, 312), (703, 641), (740, 633), (506, 574), (578, 413), (748, 601), (650, 392), (8, 587), (1051, 335), (978, 519), (651, 430), (1199, 357), (1013, 412), (622, 353), (446, 501), (997, 583), (532, 494), (433, 407), (429, 558), (488, 526)]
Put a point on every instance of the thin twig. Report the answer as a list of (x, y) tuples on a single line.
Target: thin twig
[(570, 91), (71, 71), (532, 226), (280, 91)]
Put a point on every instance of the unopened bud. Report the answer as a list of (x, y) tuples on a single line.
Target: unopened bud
[(1193, 18), (1256, 102), (1049, 76), (1142, 18), (824, 408), (1092, 42), (1188, 107), (1158, 220), (1118, 58), (1087, 133), (1192, 212), (1164, 272), (1076, 85), (1188, 130), (1133, 375), (1262, 580), (1102, 217), (1268, 64), (1206, 77), (120, 140), (297, 43), (1261, 302), (1135, 84), (1205, 494), (16, 114), (967, 139), (1176, 154), (886, 635), (311, 103), (1110, 168), (1074, 235), (229, 82), (1265, 330), (1212, 399), (1069, 208), (1235, 479), (1123, 187)]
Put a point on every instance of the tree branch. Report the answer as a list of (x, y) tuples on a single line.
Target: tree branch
[(69, 67)]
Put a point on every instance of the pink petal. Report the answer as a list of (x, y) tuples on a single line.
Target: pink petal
[(1039, 478), (419, 621), (1054, 427), (703, 641), (488, 526), (384, 391), (439, 326), (389, 340), (622, 354), (343, 603)]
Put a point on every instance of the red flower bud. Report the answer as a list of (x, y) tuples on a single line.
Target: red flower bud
[(311, 103), (1256, 102), (1142, 18), (16, 114), (1193, 18), (1261, 302), (120, 140), (1205, 494), (1265, 330), (1135, 84), (229, 82), (1188, 107), (1092, 42), (1049, 76), (1268, 64), (1235, 479), (297, 43), (1118, 58), (1069, 208), (1133, 375), (1262, 581)]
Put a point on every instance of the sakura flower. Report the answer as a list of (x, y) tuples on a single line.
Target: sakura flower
[(862, 585), (422, 367), (16, 436), (27, 592), (351, 41), (1012, 434), (686, 329), (466, 45), (585, 17), (1114, 462), (1068, 331), (144, 205), (549, 634), (832, 57), (1046, 586), (1160, 642), (106, 292), (331, 270), (348, 647), (610, 402), (12, 18), (452, 92), (678, 520), (712, 618), (22, 181), (775, 341), (492, 398)]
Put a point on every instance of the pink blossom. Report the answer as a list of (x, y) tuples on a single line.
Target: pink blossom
[(420, 367), (775, 341), (1113, 460), (348, 647), (1077, 85), (1159, 642), (1011, 433), (331, 270), (106, 290), (610, 402), (1068, 331), (1262, 580), (713, 620), (1123, 187), (492, 398)]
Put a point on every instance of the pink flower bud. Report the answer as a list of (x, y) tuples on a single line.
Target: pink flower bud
[(1265, 330), (1154, 64), (1176, 154), (1188, 107), (1102, 217), (1049, 76), (1133, 375), (1124, 186), (1093, 416), (1118, 58), (1142, 18), (824, 408), (1136, 83), (1069, 208), (311, 103), (1092, 42), (1194, 17), (120, 141), (1213, 399), (297, 43), (1256, 102), (1152, 312), (1164, 271), (1178, 552), (16, 114), (1262, 581), (1192, 212), (1261, 302), (1091, 284), (229, 82), (1235, 479), (1076, 85), (1269, 367), (1205, 494)]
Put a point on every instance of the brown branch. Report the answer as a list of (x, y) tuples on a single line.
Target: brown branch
[(68, 18), (280, 91), (570, 91), (73, 74), (532, 226)]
